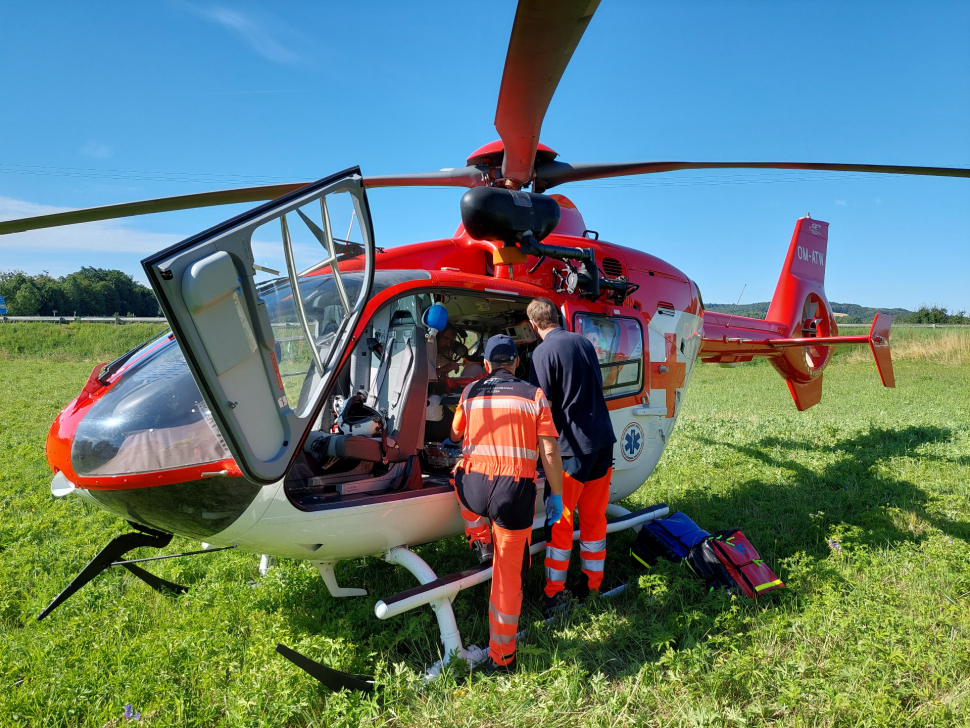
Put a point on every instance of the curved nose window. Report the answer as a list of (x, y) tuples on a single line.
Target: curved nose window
[(153, 418)]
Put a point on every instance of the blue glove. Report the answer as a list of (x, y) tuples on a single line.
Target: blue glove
[(553, 508), (449, 444)]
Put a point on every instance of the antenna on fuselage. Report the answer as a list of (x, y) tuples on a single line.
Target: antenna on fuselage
[(736, 304)]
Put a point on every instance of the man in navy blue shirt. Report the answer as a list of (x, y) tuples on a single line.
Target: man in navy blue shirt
[(566, 368)]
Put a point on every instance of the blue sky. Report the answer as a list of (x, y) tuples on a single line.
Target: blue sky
[(112, 101)]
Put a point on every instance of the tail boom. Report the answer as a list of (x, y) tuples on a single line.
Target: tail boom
[(806, 392), (749, 342), (800, 331)]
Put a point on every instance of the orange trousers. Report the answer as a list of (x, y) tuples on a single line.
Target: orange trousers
[(510, 559), (476, 526), (592, 498), (510, 562)]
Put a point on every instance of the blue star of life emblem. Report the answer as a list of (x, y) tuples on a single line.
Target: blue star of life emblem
[(631, 442)]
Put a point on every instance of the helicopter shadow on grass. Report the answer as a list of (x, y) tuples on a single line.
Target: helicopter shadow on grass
[(797, 514), (853, 494), (670, 607), (296, 593)]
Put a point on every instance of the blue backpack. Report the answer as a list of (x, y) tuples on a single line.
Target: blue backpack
[(670, 538)]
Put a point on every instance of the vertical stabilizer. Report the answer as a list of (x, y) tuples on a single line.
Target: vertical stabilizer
[(803, 274), (800, 305), (800, 332)]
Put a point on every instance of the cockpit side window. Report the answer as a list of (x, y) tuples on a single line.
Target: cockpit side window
[(619, 348)]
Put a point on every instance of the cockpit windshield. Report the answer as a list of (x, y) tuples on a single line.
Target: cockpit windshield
[(154, 417)]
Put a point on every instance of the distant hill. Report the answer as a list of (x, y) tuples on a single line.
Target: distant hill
[(856, 314)]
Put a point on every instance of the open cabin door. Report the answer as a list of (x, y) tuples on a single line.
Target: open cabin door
[(264, 352)]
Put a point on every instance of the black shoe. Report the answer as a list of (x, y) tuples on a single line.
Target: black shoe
[(555, 604), (490, 667), (484, 551), (582, 590)]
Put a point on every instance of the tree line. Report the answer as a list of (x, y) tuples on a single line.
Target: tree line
[(935, 315), (856, 314), (88, 292)]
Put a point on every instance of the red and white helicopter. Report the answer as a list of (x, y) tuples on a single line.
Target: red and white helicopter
[(240, 428)]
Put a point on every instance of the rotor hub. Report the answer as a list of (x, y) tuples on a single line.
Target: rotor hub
[(493, 153)]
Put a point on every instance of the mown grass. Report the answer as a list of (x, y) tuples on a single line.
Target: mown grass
[(72, 342), (859, 504), (949, 346)]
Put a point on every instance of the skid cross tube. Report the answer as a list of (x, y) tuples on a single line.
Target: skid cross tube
[(437, 590), (447, 625)]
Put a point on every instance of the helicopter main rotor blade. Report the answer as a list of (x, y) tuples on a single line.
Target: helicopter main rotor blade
[(333, 679), (463, 177), (544, 35), (147, 207), (552, 173)]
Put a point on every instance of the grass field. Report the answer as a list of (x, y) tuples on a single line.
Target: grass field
[(860, 505), (72, 342)]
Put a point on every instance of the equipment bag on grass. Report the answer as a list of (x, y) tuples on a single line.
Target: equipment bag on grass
[(743, 563), (706, 564), (670, 538)]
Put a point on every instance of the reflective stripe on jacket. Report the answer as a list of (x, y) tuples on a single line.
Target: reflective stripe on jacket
[(502, 418)]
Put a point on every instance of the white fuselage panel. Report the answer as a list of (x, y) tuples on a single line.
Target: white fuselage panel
[(272, 525)]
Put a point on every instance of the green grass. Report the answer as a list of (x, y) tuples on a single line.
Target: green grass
[(874, 634), (72, 342)]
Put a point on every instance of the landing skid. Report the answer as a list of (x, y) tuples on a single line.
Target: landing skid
[(266, 562), (440, 591), (333, 679), (330, 579), (117, 547), (441, 604)]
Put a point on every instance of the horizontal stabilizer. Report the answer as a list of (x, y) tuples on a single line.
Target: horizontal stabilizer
[(878, 340)]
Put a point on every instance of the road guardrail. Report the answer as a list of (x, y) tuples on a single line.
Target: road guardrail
[(86, 319)]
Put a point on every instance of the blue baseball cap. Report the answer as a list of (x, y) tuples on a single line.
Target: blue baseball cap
[(500, 349)]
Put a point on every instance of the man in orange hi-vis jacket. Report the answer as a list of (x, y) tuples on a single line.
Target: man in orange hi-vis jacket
[(507, 425)]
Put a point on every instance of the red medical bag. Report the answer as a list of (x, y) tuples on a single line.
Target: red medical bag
[(743, 563)]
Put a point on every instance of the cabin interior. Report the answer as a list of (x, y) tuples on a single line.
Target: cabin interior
[(394, 368)]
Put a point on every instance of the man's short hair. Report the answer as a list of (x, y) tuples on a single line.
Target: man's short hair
[(542, 313)]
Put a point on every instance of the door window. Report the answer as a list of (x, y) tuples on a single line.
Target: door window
[(263, 307), (619, 348)]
